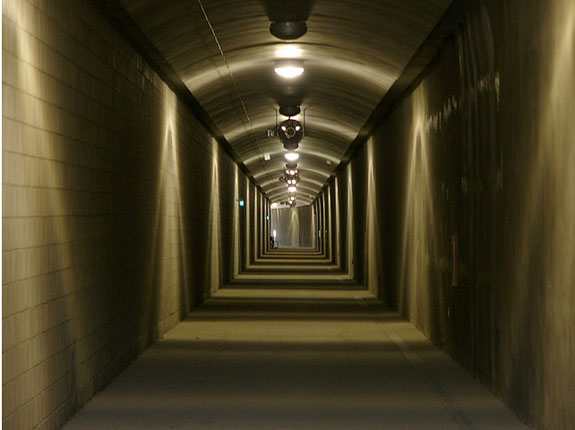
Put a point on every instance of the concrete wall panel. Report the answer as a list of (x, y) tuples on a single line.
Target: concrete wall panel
[(474, 188)]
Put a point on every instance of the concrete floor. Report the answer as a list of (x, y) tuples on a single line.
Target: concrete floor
[(294, 359)]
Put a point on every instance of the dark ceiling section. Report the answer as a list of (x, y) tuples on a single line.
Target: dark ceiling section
[(353, 52)]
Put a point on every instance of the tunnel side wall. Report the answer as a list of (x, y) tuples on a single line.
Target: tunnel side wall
[(118, 209), (469, 204)]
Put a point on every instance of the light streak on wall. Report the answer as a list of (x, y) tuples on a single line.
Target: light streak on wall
[(549, 212), (350, 252), (214, 243), (236, 220), (419, 236), (337, 224), (373, 245)]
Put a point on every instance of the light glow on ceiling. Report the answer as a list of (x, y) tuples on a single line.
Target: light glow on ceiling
[(288, 51)]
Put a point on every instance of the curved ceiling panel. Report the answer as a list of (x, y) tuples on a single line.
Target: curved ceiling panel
[(353, 52)]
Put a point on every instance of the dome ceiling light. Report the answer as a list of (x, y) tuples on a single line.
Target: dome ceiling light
[(291, 156), (289, 69), (292, 165), (290, 110), (288, 30)]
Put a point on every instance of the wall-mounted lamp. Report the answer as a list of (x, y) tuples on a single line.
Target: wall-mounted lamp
[(242, 203)]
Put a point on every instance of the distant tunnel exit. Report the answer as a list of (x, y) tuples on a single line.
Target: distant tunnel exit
[(294, 227)]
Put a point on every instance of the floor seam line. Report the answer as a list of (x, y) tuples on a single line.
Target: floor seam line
[(416, 363)]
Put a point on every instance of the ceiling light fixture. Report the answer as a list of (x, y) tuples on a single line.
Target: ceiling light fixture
[(289, 69), (292, 189), (290, 179), (288, 30), (290, 133), (291, 165), (290, 110), (292, 156)]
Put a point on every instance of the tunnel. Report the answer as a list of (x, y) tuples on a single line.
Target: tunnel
[(265, 214)]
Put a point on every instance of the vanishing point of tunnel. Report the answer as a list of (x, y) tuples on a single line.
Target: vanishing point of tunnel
[(273, 214)]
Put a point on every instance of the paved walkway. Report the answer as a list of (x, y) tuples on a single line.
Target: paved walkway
[(294, 359)]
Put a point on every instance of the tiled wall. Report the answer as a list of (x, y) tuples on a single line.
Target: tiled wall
[(117, 209)]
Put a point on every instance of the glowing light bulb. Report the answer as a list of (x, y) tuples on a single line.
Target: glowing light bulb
[(289, 69), (289, 72), (292, 189), (292, 156)]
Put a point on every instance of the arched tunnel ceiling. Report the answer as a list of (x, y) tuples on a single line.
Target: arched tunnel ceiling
[(353, 51)]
